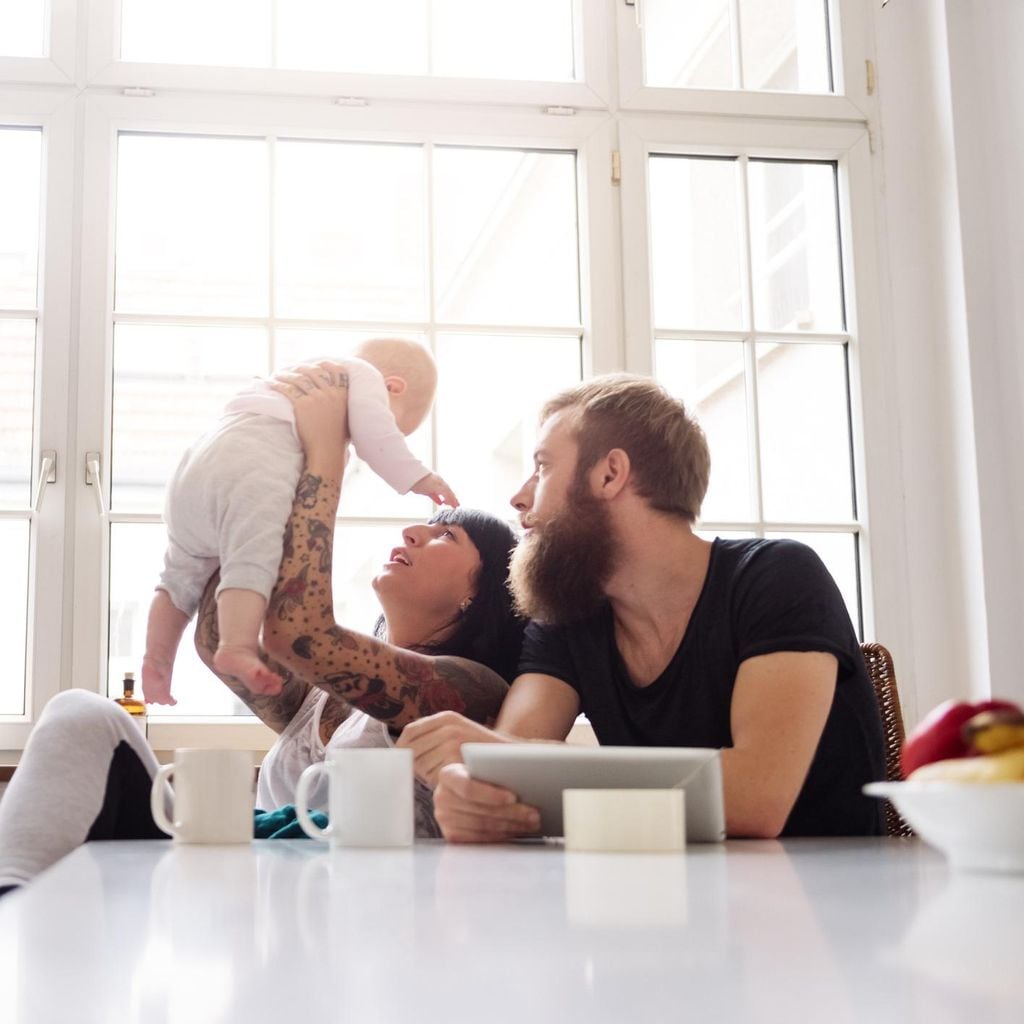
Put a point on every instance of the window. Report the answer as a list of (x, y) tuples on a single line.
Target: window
[(20, 156), (456, 38), (256, 183), (750, 44), (749, 329), (238, 255)]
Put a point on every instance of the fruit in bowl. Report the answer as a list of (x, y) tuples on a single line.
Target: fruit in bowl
[(964, 769), (960, 742)]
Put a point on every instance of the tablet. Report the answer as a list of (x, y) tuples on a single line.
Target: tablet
[(538, 772)]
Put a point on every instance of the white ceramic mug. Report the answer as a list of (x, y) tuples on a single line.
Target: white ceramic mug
[(211, 796), (370, 797)]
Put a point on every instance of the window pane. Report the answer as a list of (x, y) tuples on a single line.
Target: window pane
[(794, 230), (17, 378), (359, 555), (709, 377), (524, 39), (19, 215), (688, 45), (228, 32), (805, 438), (136, 559), (14, 536), (489, 393), (839, 553), (695, 243), (505, 237), (22, 30), (349, 231), (383, 37), (191, 225), (170, 386), (363, 493), (785, 45)]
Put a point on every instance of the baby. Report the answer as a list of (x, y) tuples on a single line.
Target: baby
[(230, 498)]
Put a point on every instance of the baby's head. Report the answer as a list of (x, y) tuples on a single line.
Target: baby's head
[(410, 376)]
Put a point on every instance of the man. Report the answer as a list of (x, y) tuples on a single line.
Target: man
[(665, 639)]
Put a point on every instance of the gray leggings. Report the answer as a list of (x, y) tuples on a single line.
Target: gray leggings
[(85, 773)]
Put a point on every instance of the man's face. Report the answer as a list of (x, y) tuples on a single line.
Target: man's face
[(554, 469), (560, 569)]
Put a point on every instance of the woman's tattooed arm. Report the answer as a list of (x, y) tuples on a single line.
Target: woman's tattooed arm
[(275, 711), (391, 684)]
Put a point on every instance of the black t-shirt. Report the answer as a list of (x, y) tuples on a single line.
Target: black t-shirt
[(760, 596)]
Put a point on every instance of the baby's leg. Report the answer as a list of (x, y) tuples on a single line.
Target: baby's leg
[(239, 618), (163, 634)]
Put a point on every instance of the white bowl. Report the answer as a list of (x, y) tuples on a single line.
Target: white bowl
[(979, 826)]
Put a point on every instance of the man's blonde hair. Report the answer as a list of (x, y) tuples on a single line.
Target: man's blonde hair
[(668, 452)]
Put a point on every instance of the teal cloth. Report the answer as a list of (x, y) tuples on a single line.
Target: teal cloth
[(282, 823)]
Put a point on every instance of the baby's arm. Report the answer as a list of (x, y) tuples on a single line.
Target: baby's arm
[(376, 437), (434, 487)]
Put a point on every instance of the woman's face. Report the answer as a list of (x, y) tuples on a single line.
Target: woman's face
[(432, 573)]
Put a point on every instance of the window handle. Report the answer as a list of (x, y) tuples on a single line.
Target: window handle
[(94, 478), (47, 475)]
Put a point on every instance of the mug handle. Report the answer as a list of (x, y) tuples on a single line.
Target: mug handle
[(156, 799), (306, 823)]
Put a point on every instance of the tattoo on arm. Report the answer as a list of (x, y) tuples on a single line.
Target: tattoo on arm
[(308, 490), (275, 712), (393, 685)]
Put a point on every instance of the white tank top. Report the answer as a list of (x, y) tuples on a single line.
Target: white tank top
[(299, 746)]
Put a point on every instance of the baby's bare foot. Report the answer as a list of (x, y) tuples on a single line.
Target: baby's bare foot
[(244, 664), (156, 680)]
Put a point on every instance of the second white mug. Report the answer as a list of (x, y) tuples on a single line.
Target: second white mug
[(370, 797)]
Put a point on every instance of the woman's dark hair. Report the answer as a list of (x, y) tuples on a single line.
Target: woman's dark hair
[(488, 631)]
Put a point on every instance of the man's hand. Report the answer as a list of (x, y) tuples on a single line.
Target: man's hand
[(470, 811), (436, 741)]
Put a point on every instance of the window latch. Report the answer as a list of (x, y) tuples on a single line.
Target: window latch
[(47, 475), (94, 478)]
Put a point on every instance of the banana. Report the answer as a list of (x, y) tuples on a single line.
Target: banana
[(1006, 766), (997, 738)]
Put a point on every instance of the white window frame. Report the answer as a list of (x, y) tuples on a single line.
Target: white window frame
[(851, 100), (49, 607), (74, 94), (105, 116), (58, 66), (873, 406)]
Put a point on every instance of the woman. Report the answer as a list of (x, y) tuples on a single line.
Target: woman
[(452, 644)]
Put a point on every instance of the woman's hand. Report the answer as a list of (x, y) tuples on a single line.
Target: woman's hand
[(319, 394), (436, 741)]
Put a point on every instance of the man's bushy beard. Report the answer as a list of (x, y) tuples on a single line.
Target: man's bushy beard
[(559, 570)]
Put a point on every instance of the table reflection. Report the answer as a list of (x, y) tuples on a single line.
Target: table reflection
[(970, 937)]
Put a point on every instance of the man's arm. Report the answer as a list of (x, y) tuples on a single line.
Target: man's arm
[(779, 706), (538, 707)]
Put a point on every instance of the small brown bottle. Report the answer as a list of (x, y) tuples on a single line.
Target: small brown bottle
[(132, 704)]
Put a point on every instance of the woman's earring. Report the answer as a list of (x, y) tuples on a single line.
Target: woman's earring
[(464, 607)]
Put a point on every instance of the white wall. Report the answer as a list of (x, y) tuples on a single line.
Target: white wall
[(952, 99)]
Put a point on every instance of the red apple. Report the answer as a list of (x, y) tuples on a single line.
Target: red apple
[(937, 737)]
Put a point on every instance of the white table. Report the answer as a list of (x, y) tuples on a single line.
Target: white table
[(807, 930)]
